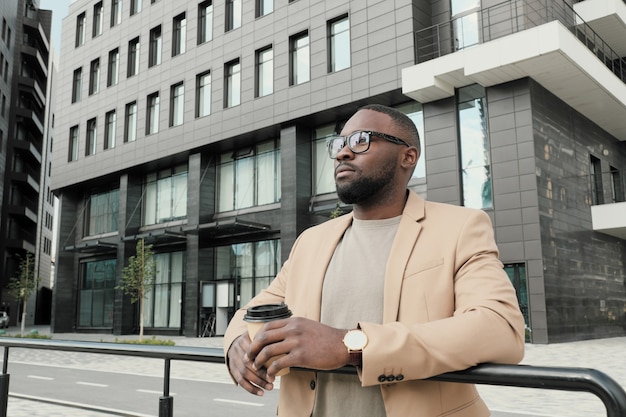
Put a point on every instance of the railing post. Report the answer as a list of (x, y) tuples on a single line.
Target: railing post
[(166, 402), (4, 384)]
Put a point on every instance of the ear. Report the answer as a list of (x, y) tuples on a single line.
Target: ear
[(410, 157)]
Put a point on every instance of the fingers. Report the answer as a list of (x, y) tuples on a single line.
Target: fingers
[(254, 380)]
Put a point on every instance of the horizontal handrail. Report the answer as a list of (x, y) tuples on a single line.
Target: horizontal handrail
[(593, 381)]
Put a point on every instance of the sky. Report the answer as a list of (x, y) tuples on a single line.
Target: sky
[(59, 11)]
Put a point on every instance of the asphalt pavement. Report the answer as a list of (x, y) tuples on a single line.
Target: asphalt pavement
[(605, 355)]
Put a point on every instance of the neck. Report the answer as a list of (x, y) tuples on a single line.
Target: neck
[(377, 209)]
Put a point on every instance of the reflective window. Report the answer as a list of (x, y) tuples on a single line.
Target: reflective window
[(249, 266), (152, 119), (110, 121), (517, 275), (203, 94), (475, 147), (94, 76), (164, 301), (249, 177), (339, 44), (165, 196), (90, 143), (205, 22), (264, 7), (116, 12), (265, 71), (465, 22), (98, 17), (156, 45), (179, 41), (73, 144), (80, 29), (299, 57), (77, 84), (103, 210), (233, 14), (177, 100), (416, 113), (113, 67), (135, 6), (97, 293), (130, 122), (232, 89), (133, 57), (323, 166)]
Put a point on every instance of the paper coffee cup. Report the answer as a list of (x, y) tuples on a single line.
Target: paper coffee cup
[(257, 316)]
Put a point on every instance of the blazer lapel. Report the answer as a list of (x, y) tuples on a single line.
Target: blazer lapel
[(401, 250)]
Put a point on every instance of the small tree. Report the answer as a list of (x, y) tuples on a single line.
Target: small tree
[(22, 286), (138, 278)]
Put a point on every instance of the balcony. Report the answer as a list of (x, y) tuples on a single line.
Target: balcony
[(610, 219), (514, 40), (608, 19), (608, 211)]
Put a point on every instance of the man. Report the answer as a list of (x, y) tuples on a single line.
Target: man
[(418, 285)]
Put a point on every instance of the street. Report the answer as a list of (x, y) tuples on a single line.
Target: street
[(134, 394)]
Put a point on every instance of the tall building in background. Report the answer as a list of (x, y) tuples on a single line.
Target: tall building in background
[(25, 123), (201, 128)]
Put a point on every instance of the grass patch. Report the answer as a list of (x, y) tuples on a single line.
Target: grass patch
[(147, 341), (33, 334)]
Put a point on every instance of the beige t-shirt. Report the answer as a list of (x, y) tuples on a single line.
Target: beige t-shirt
[(352, 292)]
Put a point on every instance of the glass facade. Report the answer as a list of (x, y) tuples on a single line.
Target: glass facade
[(165, 196), (179, 41), (416, 113), (265, 71), (249, 177), (300, 58), (205, 22), (102, 214), (96, 294), (475, 147), (339, 44), (203, 94), (163, 304), (323, 166)]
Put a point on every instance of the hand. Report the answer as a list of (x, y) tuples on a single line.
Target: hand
[(304, 343), (241, 367)]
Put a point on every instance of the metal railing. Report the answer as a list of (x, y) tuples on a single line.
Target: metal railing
[(507, 18), (593, 381)]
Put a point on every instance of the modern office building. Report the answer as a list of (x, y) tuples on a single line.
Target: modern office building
[(201, 128), (25, 153)]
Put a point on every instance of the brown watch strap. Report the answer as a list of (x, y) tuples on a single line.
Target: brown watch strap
[(356, 358)]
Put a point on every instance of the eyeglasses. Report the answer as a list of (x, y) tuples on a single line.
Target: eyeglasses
[(359, 142)]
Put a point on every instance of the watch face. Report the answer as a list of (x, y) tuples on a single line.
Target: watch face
[(355, 340)]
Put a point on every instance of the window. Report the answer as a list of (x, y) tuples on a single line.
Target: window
[(114, 67), (205, 22), (90, 143), (110, 120), (163, 307), (116, 12), (94, 76), (179, 41), (203, 94), (233, 14), (102, 212), (98, 16), (73, 145), (97, 293), (416, 114), (177, 100), (130, 122), (135, 6), (152, 120), (80, 29), (165, 196), (232, 85), (323, 166), (133, 57), (617, 186), (338, 44), (156, 43), (299, 57), (249, 177), (475, 147), (264, 72), (465, 22), (264, 7), (77, 84), (597, 188), (517, 275), (251, 264)]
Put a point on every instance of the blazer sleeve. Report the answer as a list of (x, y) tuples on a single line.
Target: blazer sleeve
[(453, 316)]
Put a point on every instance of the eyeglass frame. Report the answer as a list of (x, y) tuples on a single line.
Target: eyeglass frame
[(370, 133)]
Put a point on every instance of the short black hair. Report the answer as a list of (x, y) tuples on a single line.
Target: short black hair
[(404, 122)]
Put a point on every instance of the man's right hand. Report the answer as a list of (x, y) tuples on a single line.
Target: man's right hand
[(242, 368)]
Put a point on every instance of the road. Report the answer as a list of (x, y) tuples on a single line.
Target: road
[(135, 394)]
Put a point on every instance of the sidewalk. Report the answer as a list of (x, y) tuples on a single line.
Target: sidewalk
[(606, 355)]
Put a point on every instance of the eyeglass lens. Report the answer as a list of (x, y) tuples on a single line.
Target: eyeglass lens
[(358, 142)]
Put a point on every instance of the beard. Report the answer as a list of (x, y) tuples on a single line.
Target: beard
[(363, 189)]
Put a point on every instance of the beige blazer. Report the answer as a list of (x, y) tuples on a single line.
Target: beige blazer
[(448, 305)]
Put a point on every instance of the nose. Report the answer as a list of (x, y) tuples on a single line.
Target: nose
[(345, 152)]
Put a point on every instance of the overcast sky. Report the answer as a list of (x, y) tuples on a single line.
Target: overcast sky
[(59, 11)]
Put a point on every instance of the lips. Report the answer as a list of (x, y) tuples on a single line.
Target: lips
[(343, 169)]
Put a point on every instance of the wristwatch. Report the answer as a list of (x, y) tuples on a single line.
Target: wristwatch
[(355, 341)]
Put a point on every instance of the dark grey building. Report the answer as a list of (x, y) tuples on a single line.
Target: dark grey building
[(201, 128), (27, 201)]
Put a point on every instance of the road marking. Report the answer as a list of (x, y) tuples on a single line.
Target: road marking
[(45, 378), (223, 400), (92, 384), (149, 391)]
